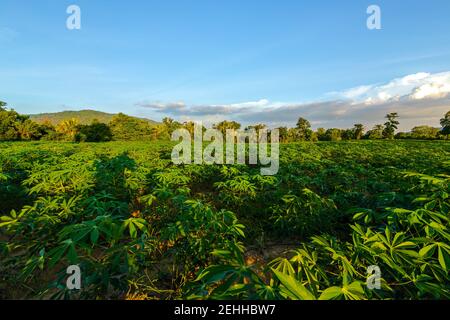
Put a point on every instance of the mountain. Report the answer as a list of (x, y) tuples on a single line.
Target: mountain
[(83, 117)]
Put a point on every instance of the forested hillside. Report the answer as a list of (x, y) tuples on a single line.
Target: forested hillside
[(83, 117)]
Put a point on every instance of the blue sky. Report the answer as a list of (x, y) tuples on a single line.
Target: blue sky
[(143, 57)]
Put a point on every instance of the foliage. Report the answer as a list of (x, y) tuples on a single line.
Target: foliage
[(14, 126), (303, 129), (411, 247), (94, 126), (375, 133), (390, 125), (95, 132), (137, 224), (84, 117), (227, 125), (126, 128), (445, 123), (424, 132)]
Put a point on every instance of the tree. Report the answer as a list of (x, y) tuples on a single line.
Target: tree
[(445, 123), (292, 135), (376, 132), (95, 132), (347, 134), (47, 127), (424, 132), (8, 122), (49, 131), (333, 134), (227, 125), (159, 132), (314, 137), (189, 126), (257, 128), (358, 130), (321, 134), (171, 125), (126, 128), (403, 135), (29, 130), (12, 124), (283, 134), (304, 129), (391, 125), (68, 128)]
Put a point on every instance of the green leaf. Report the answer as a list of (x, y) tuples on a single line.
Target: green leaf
[(444, 259), (215, 273), (292, 288), (428, 251), (133, 231), (95, 235), (331, 293)]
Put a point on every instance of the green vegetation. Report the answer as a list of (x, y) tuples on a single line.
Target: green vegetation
[(82, 117), (94, 126), (142, 228), (445, 123), (391, 125)]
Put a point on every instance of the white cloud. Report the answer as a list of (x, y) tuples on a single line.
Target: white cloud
[(356, 92), (415, 86), (439, 87), (420, 98), (256, 104)]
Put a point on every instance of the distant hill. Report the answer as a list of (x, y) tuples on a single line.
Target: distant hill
[(83, 116)]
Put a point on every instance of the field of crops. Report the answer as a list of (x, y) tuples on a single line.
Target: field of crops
[(140, 227)]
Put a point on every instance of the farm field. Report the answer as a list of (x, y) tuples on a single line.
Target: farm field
[(140, 227)]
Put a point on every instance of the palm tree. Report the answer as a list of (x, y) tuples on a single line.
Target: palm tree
[(257, 128), (28, 130), (227, 125), (68, 127), (190, 126), (171, 125)]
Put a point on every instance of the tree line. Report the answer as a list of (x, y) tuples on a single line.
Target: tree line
[(388, 130), (17, 127)]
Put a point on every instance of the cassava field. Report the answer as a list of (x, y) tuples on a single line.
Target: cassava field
[(140, 227)]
